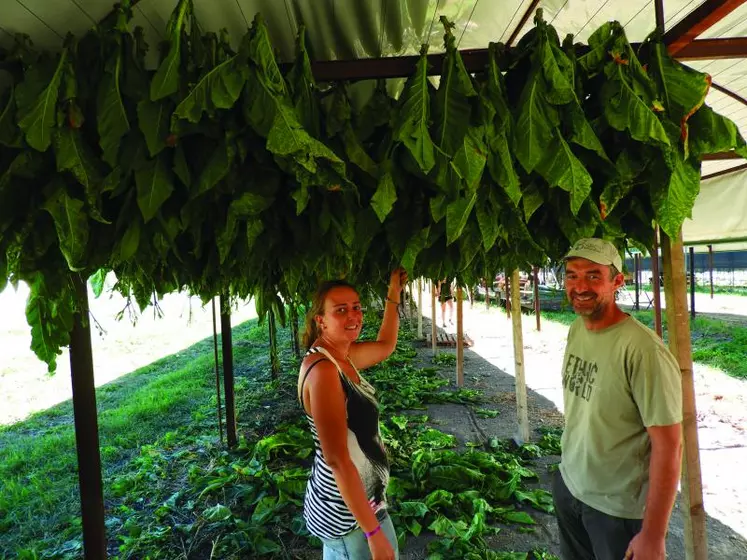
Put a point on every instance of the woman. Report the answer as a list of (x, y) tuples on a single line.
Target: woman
[(445, 296), (345, 502)]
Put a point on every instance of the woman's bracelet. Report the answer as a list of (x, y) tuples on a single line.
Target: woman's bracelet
[(372, 533), (388, 300)]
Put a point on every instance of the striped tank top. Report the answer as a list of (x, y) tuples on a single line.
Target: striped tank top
[(324, 510)]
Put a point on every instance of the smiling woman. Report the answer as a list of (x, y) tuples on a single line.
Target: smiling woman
[(345, 502)]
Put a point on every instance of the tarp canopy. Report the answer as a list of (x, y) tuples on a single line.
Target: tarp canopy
[(719, 212)]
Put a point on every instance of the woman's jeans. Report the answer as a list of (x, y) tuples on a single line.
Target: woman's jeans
[(354, 545)]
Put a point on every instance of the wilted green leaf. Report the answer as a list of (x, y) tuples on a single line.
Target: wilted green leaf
[(38, 122), (154, 186)]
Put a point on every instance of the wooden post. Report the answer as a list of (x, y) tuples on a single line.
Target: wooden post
[(655, 284), (692, 282), (710, 267), (522, 413), (86, 427), (696, 538), (460, 337), (227, 346), (636, 279), (420, 308), (434, 328), (535, 273), (217, 374), (487, 294)]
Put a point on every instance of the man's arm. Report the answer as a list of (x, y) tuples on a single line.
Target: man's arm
[(664, 475)]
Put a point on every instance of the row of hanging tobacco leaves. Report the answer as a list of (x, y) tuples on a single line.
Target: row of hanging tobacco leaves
[(217, 173)]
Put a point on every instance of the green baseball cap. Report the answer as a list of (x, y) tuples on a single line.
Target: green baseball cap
[(596, 250)]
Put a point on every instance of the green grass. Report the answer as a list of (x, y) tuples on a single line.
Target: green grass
[(700, 288), (714, 343), (39, 504)]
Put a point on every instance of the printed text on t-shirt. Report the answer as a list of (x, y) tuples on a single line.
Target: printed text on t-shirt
[(579, 376)]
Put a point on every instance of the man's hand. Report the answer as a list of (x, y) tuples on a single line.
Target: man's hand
[(646, 547)]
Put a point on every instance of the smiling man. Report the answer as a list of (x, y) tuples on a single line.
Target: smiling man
[(622, 391)]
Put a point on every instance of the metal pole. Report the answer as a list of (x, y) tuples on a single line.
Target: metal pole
[(535, 272), (655, 285), (226, 340), (692, 282), (710, 267), (659, 10), (636, 272), (86, 427), (420, 308), (217, 373), (460, 338), (434, 329)]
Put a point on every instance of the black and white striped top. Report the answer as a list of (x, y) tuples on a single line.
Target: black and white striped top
[(324, 510)]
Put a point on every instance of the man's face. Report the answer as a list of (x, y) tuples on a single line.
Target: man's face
[(590, 287)]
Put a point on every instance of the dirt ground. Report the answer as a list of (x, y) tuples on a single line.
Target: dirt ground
[(722, 420)]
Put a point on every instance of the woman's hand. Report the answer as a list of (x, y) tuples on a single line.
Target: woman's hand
[(397, 281), (380, 547)]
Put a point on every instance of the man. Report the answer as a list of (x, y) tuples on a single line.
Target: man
[(622, 390)]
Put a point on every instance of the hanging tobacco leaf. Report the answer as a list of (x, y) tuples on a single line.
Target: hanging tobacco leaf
[(37, 122), (166, 80), (111, 121), (154, 186), (71, 224)]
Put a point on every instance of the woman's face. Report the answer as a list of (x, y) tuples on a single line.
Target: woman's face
[(343, 317)]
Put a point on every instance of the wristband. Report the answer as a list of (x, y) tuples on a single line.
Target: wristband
[(372, 533), (392, 301)]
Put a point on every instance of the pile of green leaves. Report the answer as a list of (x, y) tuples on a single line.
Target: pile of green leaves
[(218, 174)]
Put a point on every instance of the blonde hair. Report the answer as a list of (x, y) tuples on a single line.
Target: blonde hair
[(311, 332)]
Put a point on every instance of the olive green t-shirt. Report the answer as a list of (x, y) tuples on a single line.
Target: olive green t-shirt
[(616, 383)]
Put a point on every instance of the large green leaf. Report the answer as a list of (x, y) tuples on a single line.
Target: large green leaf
[(673, 204), (153, 118), (166, 80), (451, 105), (557, 70), (711, 133), (303, 88), (457, 214), (683, 89), (561, 168), (413, 118), (385, 196), (248, 205), (50, 315), (624, 109), (71, 225), (111, 119), (490, 227), (72, 154), (415, 245), (218, 89), (534, 127), (216, 169), (155, 184), (38, 122)]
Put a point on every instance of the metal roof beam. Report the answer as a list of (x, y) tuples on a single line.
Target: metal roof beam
[(698, 21), (711, 49)]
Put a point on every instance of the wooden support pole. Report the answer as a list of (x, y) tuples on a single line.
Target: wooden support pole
[(434, 328), (710, 267), (522, 413), (692, 282), (655, 286), (460, 337), (420, 308), (487, 294), (217, 374), (228, 381), (535, 273), (86, 428), (678, 326), (637, 279)]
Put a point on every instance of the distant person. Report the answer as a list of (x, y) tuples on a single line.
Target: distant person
[(445, 295), (621, 449), (345, 501)]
